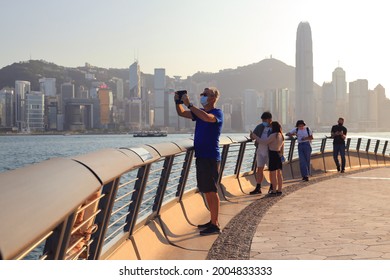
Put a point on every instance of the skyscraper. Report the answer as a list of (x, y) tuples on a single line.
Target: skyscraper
[(328, 104), (358, 102), (252, 107), (48, 86), (6, 109), (134, 108), (159, 97), (135, 80), (106, 104), (304, 94), (35, 111), (21, 89), (340, 89)]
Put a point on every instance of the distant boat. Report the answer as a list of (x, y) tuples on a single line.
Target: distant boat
[(150, 134)]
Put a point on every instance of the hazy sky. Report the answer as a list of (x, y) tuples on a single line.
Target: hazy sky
[(186, 36)]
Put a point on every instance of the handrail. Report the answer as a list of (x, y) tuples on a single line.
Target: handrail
[(43, 203)]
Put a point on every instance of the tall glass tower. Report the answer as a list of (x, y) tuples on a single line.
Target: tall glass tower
[(22, 88), (304, 93)]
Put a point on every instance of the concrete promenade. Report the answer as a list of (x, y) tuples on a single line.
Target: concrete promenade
[(332, 217), (346, 217)]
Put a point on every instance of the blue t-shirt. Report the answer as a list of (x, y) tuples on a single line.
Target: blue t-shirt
[(206, 139)]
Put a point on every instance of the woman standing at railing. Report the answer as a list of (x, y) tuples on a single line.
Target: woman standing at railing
[(275, 143), (304, 136)]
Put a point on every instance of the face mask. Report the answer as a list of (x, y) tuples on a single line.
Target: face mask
[(203, 100), (266, 124)]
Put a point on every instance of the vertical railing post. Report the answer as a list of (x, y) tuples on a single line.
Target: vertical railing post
[(184, 174), (139, 189), (290, 156), (106, 204), (54, 245), (254, 163), (225, 151), (384, 151), (368, 151), (240, 158), (347, 150), (322, 151), (376, 151), (68, 226), (358, 150), (162, 185)]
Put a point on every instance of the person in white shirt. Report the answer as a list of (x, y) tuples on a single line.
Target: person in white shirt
[(304, 136), (262, 130)]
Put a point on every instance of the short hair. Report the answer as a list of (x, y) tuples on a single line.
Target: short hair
[(266, 116), (215, 91)]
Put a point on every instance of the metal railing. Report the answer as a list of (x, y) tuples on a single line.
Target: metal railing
[(85, 207)]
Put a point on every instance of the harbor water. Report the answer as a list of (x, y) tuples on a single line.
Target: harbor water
[(20, 150)]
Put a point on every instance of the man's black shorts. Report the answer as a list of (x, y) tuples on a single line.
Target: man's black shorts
[(207, 174)]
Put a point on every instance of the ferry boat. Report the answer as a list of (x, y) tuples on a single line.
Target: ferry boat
[(150, 133)]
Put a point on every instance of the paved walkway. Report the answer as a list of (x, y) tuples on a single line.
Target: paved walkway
[(333, 216), (345, 217)]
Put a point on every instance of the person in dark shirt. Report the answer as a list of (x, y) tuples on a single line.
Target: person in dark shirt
[(208, 129), (339, 133)]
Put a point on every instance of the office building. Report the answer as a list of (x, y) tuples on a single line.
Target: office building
[(252, 108), (6, 108), (22, 88), (106, 103), (119, 89), (134, 105), (358, 103), (383, 104), (135, 80), (35, 111), (340, 89), (159, 97), (328, 104), (48, 86), (67, 91), (304, 94)]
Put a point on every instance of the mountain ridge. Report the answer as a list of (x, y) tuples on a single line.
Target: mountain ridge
[(268, 73)]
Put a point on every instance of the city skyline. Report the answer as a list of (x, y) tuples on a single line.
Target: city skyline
[(177, 36)]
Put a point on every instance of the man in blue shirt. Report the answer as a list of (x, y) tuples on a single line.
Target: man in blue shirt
[(208, 128)]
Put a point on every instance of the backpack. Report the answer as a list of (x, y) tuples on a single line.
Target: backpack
[(307, 129), (296, 131)]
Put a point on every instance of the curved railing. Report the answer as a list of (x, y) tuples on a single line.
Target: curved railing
[(86, 206)]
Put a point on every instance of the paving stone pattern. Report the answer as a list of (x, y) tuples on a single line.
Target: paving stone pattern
[(337, 217)]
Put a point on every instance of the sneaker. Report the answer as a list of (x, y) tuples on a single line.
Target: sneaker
[(272, 194), (342, 171), (270, 188), (256, 191), (338, 168), (305, 179), (206, 225), (212, 229), (278, 193)]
